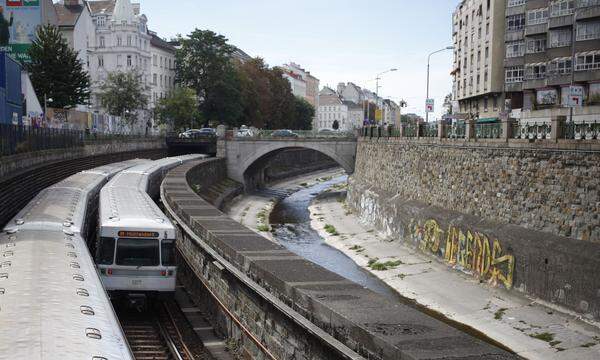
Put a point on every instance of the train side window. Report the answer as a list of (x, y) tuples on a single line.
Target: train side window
[(106, 251), (168, 252)]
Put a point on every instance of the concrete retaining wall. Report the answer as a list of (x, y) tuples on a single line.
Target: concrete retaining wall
[(12, 165), (296, 308), (525, 219)]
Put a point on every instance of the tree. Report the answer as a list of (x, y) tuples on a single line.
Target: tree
[(304, 114), (179, 109), (448, 104), (336, 125), (123, 94), (55, 70), (204, 64)]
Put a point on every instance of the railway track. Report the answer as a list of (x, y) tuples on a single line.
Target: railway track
[(155, 334)]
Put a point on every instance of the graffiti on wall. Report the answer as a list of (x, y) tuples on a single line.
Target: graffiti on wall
[(471, 251)]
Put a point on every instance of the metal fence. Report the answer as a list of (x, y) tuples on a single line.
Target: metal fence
[(582, 131), (532, 131), (455, 131), (16, 139), (488, 131)]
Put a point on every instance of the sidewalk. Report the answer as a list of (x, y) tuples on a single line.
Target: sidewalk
[(529, 328)]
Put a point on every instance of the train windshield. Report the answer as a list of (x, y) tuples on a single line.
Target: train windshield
[(106, 251), (168, 252), (138, 252)]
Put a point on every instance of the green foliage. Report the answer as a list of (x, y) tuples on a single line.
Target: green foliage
[(545, 336), (179, 109), (383, 266), (204, 64), (123, 94), (499, 314), (331, 230), (55, 70), (304, 114), (336, 125), (263, 228)]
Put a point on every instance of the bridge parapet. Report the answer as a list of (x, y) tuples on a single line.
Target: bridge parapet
[(244, 153)]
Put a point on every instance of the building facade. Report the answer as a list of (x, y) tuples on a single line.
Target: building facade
[(550, 46), (304, 85), (478, 74), (163, 68)]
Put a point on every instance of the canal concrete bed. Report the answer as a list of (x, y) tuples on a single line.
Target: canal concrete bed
[(300, 310)]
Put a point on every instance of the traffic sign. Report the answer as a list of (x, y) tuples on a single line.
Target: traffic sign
[(429, 105)]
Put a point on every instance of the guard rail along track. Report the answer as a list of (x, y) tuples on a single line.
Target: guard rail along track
[(17, 190), (155, 335), (277, 305)]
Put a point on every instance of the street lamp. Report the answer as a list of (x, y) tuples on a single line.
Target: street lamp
[(377, 92), (428, 60)]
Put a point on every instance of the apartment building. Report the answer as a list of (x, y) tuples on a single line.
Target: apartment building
[(478, 73), (545, 41)]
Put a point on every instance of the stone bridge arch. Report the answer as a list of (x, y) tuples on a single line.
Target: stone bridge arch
[(243, 154)]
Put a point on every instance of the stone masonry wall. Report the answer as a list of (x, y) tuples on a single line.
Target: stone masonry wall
[(547, 190), (502, 215)]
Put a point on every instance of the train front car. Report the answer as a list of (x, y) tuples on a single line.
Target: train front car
[(136, 241)]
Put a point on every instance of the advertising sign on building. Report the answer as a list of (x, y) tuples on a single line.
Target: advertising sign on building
[(547, 97), (378, 115), (575, 95), (19, 20), (430, 105)]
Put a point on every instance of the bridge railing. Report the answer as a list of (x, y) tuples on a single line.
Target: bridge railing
[(300, 134)]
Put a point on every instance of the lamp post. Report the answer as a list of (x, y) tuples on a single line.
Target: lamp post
[(377, 89), (428, 60)]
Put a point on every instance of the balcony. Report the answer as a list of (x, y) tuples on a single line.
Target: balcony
[(589, 12), (536, 29), (514, 35), (514, 61), (560, 21), (534, 83), (515, 10), (513, 87)]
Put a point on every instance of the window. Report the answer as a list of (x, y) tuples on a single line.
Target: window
[(560, 38), (170, 63), (101, 21), (137, 252), (562, 7), (119, 60), (128, 60), (514, 74), (495, 99), (100, 61), (119, 41), (487, 52), (535, 71), (515, 49), (588, 61), (588, 30), (515, 22), (485, 104), (128, 40), (536, 45), (516, 2), (560, 66), (537, 16), (102, 42), (154, 60), (487, 28), (167, 249), (106, 251), (478, 57)]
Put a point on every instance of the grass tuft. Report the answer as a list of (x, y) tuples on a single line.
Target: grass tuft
[(263, 228), (545, 336), (383, 266), (331, 230), (499, 314)]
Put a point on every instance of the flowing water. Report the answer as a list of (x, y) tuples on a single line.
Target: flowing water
[(291, 223)]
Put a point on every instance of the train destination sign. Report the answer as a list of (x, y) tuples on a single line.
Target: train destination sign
[(138, 234)]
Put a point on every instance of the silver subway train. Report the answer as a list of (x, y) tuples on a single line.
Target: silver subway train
[(136, 241), (52, 303)]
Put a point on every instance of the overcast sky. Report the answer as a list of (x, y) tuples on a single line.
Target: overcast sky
[(336, 40)]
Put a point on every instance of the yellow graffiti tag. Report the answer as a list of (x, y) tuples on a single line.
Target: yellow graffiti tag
[(471, 251)]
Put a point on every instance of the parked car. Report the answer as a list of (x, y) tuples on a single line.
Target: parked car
[(192, 133), (284, 133), (244, 133), (328, 132), (189, 133)]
